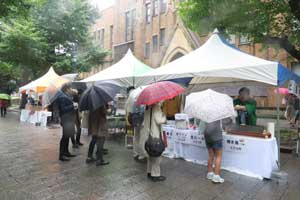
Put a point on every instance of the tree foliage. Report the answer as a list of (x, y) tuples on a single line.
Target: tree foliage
[(13, 7), (272, 22), (29, 43)]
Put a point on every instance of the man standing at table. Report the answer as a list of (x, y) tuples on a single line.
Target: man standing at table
[(246, 108)]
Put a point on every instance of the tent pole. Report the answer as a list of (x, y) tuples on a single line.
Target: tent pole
[(278, 124)]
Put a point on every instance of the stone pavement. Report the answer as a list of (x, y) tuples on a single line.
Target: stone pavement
[(29, 169)]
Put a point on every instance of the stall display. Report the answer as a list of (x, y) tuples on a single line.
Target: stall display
[(250, 131), (250, 156), (182, 121), (38, 118)]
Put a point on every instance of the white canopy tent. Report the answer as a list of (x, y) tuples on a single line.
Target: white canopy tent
[(40, 85), (218, 62), (125, 71)]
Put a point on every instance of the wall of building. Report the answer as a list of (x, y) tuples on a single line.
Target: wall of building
[(178, 39)]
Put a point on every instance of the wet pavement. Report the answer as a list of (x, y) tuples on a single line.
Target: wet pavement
[(29, 169)]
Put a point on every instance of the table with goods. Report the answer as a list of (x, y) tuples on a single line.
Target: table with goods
[(249, 151), (35, 115)]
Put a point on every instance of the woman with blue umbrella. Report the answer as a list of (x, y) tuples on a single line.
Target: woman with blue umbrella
[(95, 100)]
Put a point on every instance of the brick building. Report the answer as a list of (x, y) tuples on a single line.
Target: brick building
[(156, 35)]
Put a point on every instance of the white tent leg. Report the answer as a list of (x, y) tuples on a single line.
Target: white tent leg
[(278, 125)]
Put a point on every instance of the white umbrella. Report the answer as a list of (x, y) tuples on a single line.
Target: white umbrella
[(209, 106), (131, 100)]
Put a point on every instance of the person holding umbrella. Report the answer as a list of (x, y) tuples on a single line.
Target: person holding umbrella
[(67, 115), (151, 136), (95, 100), (215, 110), (98, 128)]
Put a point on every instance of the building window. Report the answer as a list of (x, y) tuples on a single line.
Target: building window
[(147, 50), (155, 43), (155, 7), (148, 12), (130, 22), (231, 39), (102, 38), (133, 16), (111, 33), (162, 36), (244, 40), (128, 26), (163, 6)]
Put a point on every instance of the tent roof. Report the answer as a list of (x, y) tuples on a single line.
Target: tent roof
[(40, 84), (124, 71), (219, 60)]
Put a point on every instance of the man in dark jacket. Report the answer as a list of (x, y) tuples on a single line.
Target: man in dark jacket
[(67, 115)]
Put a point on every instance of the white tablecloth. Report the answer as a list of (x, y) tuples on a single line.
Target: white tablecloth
[(35, 117), (249, 156)]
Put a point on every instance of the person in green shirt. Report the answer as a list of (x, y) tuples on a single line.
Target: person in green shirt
[(246, 108)]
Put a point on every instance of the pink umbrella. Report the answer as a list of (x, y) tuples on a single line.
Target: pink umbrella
[(160, 91), (282, 91)]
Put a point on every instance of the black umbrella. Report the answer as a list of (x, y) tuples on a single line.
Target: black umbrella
[(98, 95)]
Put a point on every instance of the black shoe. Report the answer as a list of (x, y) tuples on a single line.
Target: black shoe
[(90, 160), (75, 146), (79, 143), (105, 150), (149, 175), (63, 159), (69, 155), (101, 162), (158, 178)]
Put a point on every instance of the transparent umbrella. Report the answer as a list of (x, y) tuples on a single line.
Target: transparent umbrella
[(53, 91)]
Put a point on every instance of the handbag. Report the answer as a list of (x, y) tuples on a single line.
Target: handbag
[(154, 146)]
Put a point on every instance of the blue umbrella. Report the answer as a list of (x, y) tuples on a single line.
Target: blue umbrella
[(98, 95)]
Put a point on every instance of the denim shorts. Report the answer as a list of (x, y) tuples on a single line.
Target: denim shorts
[(214, 145)]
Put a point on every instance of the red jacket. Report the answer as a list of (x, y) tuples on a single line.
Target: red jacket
[(4, 103)]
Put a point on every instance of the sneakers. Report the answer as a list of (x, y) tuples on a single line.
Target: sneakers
[(210, 175), (217, 179)]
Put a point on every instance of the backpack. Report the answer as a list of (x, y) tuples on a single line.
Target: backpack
[(136, 118)]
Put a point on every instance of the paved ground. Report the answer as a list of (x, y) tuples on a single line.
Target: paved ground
[(29, 170)]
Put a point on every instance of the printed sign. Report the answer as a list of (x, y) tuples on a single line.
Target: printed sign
[(293, 88), (196, 139), (234, 145)]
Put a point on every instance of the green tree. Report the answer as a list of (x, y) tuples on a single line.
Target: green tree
[(66, 23), (271, 22), (23, 44), (13, 7), (29, 43), (9, 77)]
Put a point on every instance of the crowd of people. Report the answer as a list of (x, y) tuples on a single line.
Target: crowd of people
[(146, 122), (156, 115)]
